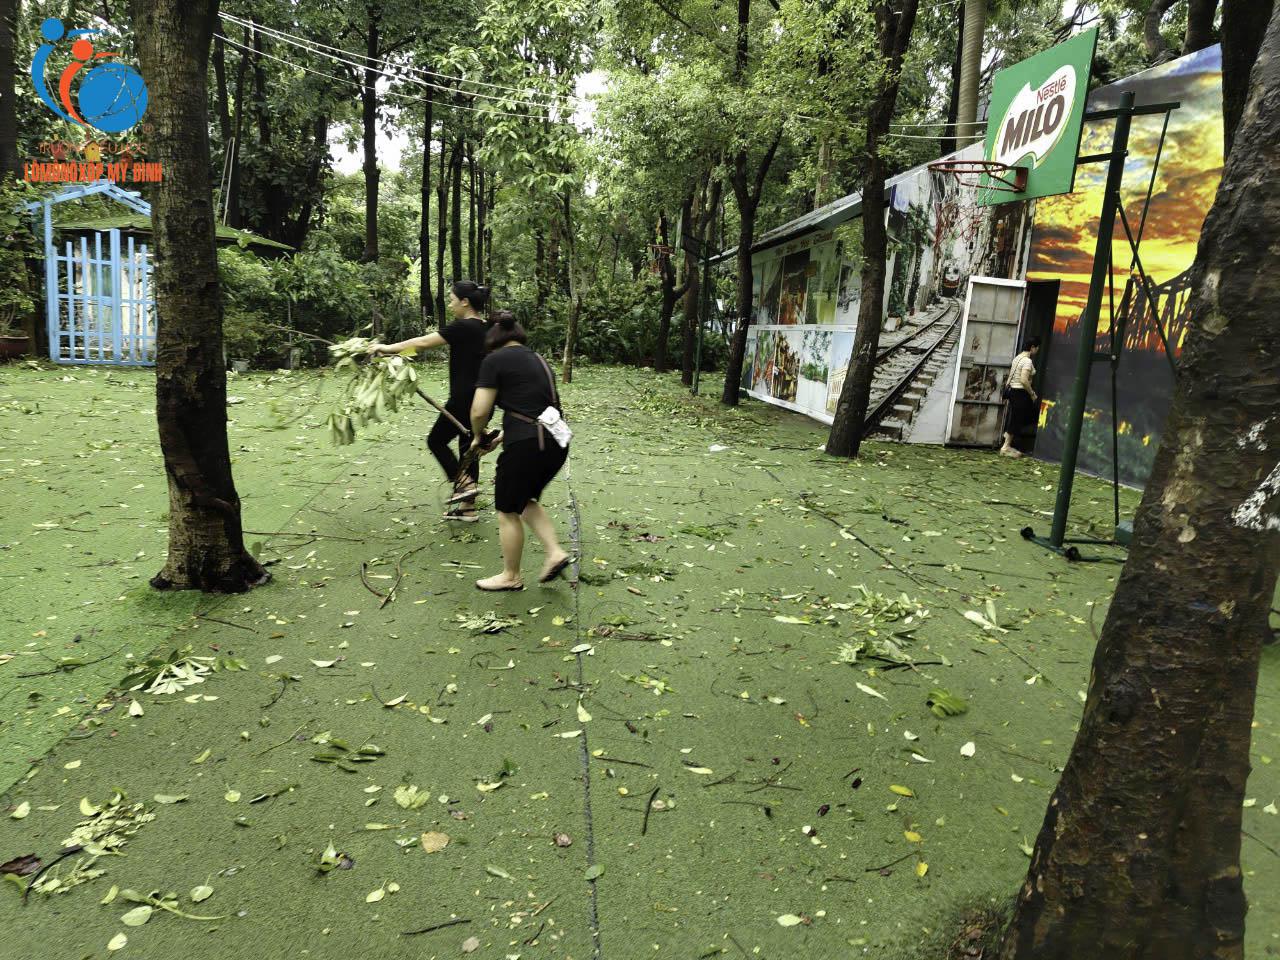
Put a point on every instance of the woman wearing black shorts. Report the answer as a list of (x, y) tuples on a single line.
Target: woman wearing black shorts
[(519, 381)]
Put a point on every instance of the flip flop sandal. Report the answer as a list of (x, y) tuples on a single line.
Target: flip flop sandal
[(457, 516), (462, 496), (506, 587), (556, 571)]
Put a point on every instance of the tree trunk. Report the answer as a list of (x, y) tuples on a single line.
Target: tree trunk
[(975, 25), (8, 104), (893, 34), (575, 298), (234, 217), (746, 236), (488, 229), (260, 91), (482, 205), (950, 143), (1157, 50), (424, 232), (313, 190), (670, 292), (206, 542), (455, 219), (369, 123), (709, 204), (540, 269), (220, 92), (442, 206), (472, 270), (1200, 25), (1139, 854), (1243, 27)]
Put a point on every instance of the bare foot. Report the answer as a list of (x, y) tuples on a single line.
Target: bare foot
[(499, 582)]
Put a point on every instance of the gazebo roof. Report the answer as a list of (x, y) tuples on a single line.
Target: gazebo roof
[(139, 221), (139, 224)]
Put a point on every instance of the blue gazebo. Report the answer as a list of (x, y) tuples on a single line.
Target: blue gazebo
[(99, 306), (98, 303)]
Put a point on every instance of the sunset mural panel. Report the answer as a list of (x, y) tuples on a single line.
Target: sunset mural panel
[(1062, 248)]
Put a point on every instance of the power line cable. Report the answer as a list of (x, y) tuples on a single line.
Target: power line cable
[(356, 83), (315, 46)]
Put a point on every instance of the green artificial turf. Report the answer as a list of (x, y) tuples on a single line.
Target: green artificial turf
[(721, 555)]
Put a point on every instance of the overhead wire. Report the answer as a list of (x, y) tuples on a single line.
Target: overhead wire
[(392, 94), (349, 57)]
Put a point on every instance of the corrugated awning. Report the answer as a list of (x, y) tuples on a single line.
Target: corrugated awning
[(824, 218)]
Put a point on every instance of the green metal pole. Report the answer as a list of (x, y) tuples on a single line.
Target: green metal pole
[(1089, 320)]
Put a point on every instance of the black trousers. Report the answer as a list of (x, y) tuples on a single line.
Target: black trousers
[(444, 433)]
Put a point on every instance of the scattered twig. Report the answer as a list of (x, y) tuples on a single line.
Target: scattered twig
[(893, 863), (68, 667), (544, 906), (1265, 846), (630, 763), (226, 623), (287, 739), (363, 579), (644, 826), (299, 533), (542, 926), (68, 852), (436, 926)]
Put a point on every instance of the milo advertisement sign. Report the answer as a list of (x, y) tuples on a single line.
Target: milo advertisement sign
[(1036, 114)]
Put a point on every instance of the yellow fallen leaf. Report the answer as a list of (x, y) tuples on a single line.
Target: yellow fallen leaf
[(913, 836), (23, 809), (434, 841), (921, 868), (902, 791)]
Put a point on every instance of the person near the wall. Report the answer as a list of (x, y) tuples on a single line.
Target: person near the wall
[(1022, 398), (465, 338), (535, 447)]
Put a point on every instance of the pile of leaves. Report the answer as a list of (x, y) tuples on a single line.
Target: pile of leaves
[(485, 623), (377, 386), (885, 625), (179, 670), (104, 832)]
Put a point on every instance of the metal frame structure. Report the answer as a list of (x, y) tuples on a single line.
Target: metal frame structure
[(1020, 285), (98, 309)]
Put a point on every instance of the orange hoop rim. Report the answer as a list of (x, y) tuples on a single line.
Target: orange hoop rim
[(1003, 177)]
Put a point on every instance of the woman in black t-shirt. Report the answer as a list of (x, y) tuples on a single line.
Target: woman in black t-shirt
[(535, 446), (465, 337)]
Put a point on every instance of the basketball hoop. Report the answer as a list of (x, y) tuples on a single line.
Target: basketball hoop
[(984, 174)]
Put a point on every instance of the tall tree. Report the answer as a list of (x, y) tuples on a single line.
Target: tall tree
[(206, 542), (442, 205), (424, 232), (455, 210), (709, 206), (667, 277), (1200, 33), (1139, 854), (1243, 27), (748, 180), (235, 179), (9, 10), (895, 19)]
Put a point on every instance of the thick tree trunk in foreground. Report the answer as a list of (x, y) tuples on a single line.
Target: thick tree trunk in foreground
[(8, 105), (1157, 50), (206, 543), (894, 30), (1139, 854)]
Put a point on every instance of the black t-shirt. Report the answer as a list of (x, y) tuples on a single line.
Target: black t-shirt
[(466, 349), (521, 380)]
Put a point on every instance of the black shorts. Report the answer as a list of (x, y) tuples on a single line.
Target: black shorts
[(524, 472)]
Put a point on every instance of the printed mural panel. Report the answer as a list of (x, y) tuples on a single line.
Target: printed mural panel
[(939, 237), (1063, 245)]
